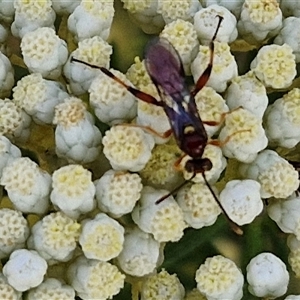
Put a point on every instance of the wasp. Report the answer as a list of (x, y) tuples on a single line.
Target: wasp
[(166, 71)]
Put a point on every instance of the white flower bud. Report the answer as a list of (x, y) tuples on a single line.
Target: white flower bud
[(267, 276), (86, 274), (248, 92), (162, 286), (117, 192), (198, 205), (206, 21), (178, 10), (276, 176), (183, 37), (6, 76), (55, 237), (76, 137), (242, 136), (127, 148), (164, 221), (51, 288), (141, 253), (44, 52), (224, 66), (27, 186), (73, 190), (219, 278), (241, 200), (31, 15), (25, 269), (14, 231), (282, 120), (259, 20), (94, 51), (91, 18), (112, 103), (8, 152), (285, 212), (7, 291), (275, 66), (101, 238)]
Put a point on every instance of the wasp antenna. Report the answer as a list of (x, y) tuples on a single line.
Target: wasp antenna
[(235, 227), (175, 190)]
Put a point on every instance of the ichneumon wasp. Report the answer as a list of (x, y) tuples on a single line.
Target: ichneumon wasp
[(165, 69)]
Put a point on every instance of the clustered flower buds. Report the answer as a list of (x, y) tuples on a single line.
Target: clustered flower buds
[(127, 184)]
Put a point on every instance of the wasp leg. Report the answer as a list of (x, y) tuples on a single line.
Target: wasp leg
[(163, 135)]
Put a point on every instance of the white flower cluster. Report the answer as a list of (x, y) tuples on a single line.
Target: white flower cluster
[(96, 182)]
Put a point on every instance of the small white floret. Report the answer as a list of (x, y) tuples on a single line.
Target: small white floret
[(30, 15), (73, 190), (127, 147), (145, 14), (275, 66), (224, 66), (44, 52), (38, 97), (178, 10), (292, 297), (101, 238), (25, 269), (211, 107), (8, 152), (94, 51), (219, 278), (243, 136), (162, 286), (141, 253), (165, 221), (198, 205), (234, 6), (159, 171), (294, 256), (282, 120), (51, 289), (76, 137), (259, 20), (65, 7), (289, 34), (27, 185), (276, 176), (117, 192), (7, 291), (206, 21), (14, 231), (286, 212), (14, 122), (91, 18), (183, 37), (267, 276), (111, 102), (241, 200), (55, 237), (6, 76), (248, 92), (93, 279)]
